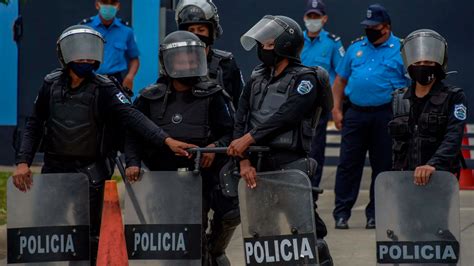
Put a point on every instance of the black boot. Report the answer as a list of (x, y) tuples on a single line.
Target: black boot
[(222, 230), (325, 258)]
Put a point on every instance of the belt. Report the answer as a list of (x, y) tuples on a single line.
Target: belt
[(386, 106)]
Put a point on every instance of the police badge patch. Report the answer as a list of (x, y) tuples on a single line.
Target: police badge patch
[(460, 111), (122, 98), (305, 87)]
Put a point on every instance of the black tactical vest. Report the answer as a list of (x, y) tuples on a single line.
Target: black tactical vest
[(415, 143), (183, 115), (266, 99), (216, 73), (73, 128)]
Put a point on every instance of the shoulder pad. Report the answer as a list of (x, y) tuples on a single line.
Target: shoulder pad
[(205, 89), (103, 80), (222, 54), (53, 75), (454, 89), (85, 21), (154, 91), (358, 39), (258, 71), (334, 37)]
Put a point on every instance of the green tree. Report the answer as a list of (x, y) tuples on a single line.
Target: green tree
[(5, 2)]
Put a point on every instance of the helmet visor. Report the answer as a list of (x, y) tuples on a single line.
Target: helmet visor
[(268, 29), (424, 46), (185, 59), (81, 44)]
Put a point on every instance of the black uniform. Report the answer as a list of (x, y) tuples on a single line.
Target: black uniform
[(74, 123), (281, 112), (428, 130), (200, 116), (223, 70)]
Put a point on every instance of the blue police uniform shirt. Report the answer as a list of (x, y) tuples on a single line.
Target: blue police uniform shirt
[(372, 73), (325, 51), (120, 45)]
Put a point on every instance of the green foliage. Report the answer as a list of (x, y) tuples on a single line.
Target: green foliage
[(3, 197), (5, 2)]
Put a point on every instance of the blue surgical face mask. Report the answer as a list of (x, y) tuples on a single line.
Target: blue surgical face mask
[(108, 12)]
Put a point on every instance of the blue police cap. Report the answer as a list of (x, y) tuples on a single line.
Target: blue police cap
[(315, 6), (376, 14)]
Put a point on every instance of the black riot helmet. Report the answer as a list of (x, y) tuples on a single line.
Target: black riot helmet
[(183, 55), (191, 12), (284, 31), (80, 42)]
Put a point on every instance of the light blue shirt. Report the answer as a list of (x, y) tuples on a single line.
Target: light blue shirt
[(325, 51), (120, 45), (373, 73)]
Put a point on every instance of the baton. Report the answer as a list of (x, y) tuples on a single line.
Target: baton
[(131, 193)]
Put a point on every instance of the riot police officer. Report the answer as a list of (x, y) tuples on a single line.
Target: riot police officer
[(429, 116), (73, 110), (279, 106), (201, 18), (193, 110)]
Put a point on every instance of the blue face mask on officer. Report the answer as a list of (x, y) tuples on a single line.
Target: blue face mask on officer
[(108, 12)]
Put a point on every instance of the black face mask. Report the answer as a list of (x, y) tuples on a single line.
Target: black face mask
[(423, 74), (268, 57), (206, 39), (373, 35), (82, 70), (189, 81)]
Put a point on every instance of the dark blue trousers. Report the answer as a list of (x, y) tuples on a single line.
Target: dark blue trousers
[(362, 131), (318, 147)]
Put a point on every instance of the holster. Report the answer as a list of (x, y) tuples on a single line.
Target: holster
[(98, 172)]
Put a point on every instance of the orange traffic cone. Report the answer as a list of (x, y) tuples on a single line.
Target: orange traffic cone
[(466, 180), (112, 247)]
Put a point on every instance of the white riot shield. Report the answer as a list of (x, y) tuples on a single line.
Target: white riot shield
[(278, 224), (49, 224), (163, 217), (417, 225)]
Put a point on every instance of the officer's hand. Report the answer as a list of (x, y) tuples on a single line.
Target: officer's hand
[(22, 177), (128, 82), (179, 148), (422, 174), (248, 173), (337, 117), (240, 145), (208, 158), (132, 173)]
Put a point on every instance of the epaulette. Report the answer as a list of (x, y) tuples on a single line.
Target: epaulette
[(358, 39), (53, 75), (124, 22), (154, 91), (86, 21), (222, 54), (258, 71), (334, 37), (103, 80)]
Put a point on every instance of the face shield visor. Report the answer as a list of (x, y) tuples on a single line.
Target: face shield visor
[(424, 45), (81, 44), (184, 59), (267, 30)]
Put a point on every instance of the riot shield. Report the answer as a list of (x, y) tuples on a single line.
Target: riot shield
[(417, 225), (278, 224), (49, 224), (163, 216)]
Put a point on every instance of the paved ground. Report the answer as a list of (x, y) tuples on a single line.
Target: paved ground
[(356, 246)]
